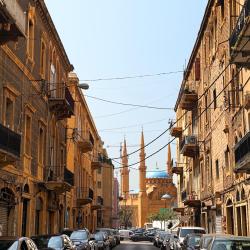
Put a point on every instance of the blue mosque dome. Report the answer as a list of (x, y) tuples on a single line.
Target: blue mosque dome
[(157, 174)]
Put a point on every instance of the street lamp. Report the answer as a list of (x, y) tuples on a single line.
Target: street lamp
[(83, 86), (166, 197)]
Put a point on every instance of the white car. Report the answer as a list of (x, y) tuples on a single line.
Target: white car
[(183, 231), (125, 234)]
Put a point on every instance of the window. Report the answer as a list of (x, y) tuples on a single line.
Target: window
[(99, 184), (99, 170), (52, 81), (9, 113), (206, 112), (41, 146), (202, 174), (217, 169), (31, 37), (222, 9), (43, 59), (227, 162), (215, 98), (28, 135)]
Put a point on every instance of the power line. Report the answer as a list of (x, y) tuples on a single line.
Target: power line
[(132, 77), (187, 111), (127, 104)]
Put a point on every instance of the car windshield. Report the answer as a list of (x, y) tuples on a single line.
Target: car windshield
[(194, 240), (55, 242), (231, 245), (79, 235), (186, 231), (8, 244), (99, 237)]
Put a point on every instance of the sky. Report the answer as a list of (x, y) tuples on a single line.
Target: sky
[(123, 38)]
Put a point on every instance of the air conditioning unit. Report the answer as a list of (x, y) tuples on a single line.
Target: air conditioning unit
[(190, 139)]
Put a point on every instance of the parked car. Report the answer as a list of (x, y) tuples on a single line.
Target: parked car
[(182, 233), (61, 242), (81, 239), (100, 241), (111, 236), (125, 234), (191, 242), (41, 241), (151, 234), (117, 236), (15, 243), (168, 243), (139, 236), (225, 242), (67, 231)]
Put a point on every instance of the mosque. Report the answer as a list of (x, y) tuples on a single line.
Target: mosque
[(152, 186)]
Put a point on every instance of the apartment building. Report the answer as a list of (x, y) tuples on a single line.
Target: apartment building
[(49, 146), (212, 123)]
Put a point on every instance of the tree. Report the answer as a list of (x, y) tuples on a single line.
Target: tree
[(125, 215)]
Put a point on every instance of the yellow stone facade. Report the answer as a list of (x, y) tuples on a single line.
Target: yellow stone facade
[(50, 149), (152, 186), (212, 121)]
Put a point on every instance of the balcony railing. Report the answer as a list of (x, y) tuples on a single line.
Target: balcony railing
[(242, 155), (239, 38), (84, 143), (177, 170), (61, 103), (84, 196), (58, 178), (175, 131), (97, 161), (12, 20), (189, 146), (188, 100), (10, 144), (192, 200), (98, 204)]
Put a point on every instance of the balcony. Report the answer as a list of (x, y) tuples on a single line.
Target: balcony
[(246, 100), (84, 144), (97, 162), (242, 155), (189, 146), (58, 179), (84, 196), (10, 144), (177, 170), (188, 100), (175, 131), (239, 40), (62, 105), (12, 21), (192, 201), (98, 205)]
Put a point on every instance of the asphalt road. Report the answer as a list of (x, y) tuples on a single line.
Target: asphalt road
[(130, 245)]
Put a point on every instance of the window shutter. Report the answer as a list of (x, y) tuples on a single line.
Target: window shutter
[(197, 69)]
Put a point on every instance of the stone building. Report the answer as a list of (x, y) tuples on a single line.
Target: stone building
[(212, 123), (152, 186), (39, 179)]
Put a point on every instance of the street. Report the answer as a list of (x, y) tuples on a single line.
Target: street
[(129, 245)]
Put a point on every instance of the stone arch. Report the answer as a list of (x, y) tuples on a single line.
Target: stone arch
[(26, 188)]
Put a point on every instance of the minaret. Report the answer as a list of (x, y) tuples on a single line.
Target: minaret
[(143, 199), (125, 172), (169, 162)]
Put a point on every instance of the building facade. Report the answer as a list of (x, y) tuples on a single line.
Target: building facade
[(152, 186), (40, 182), (212, 124)]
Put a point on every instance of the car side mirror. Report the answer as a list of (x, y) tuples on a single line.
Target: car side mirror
[(175, 236), (92, 238), (197, 247)]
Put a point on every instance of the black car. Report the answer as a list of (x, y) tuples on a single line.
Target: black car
[(191, 242), (81, 239), (15, 243), (139, 236), (100, 241), (42, 240)]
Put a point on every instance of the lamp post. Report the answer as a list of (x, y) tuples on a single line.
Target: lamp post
[(165, 197)]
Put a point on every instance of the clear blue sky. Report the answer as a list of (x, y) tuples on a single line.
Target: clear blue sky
[(116, 38)]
